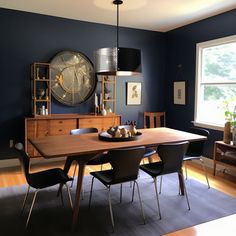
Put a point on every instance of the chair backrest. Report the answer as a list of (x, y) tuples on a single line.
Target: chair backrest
[(195, 148), (125, 163), (154, 119), (83, 131), (24, 162), (172, 155)]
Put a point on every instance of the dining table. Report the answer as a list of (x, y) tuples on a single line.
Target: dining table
[(85, 146)]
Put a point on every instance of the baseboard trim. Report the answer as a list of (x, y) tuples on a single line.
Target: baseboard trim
[(10, 163)]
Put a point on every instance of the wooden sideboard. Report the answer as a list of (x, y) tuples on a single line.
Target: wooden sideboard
[(62, 124), (224, 154)]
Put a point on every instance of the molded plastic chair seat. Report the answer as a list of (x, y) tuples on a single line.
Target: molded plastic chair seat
[(107, 177), (153, 169), (47, 178)]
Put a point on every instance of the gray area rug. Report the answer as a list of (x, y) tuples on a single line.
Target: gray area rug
[(49, 217)]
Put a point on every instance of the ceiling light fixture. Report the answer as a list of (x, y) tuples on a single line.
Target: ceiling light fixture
[(118, 61)]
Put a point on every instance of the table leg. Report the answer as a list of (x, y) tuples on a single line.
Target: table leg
[(77, 195), (82, 164)]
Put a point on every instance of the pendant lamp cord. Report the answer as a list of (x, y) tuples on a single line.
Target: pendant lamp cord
[(117, 26)]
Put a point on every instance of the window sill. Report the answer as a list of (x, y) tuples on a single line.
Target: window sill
[(208, 126)]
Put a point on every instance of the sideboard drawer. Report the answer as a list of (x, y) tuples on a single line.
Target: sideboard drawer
[(101, 123), (61, 127), (91, 123)]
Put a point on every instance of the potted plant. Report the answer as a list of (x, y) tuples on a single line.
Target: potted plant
[(230, 116)]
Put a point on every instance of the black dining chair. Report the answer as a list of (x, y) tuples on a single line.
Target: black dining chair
[(171, 156), (153, 120), (40, 180), (98, 159), (125, 167), (195, 150)]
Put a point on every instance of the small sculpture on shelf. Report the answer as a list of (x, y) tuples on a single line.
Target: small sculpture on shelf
[(40, 93)]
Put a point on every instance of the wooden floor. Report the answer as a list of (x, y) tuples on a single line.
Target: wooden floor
[(222, 181)]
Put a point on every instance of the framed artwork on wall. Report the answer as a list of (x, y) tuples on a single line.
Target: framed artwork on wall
[(179, 92), (134, 92)]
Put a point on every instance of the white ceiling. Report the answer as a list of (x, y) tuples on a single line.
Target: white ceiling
[(156, 15)]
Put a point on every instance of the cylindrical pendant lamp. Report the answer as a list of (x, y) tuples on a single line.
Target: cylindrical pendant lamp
[(118, 60), (127, 62)]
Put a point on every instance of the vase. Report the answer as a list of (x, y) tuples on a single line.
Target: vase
[(227, 133), (103, 111)]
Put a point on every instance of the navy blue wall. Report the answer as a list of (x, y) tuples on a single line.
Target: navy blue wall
[(27, 38), (181, 50)]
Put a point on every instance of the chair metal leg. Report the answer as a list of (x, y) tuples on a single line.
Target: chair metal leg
[(160, 185), (185, 190), (24, 201), (120, 193), (133, 193), (91, 192), (140, 201), (185, 168), (157, 197), (69, 195), (31, 208), (110, 208), (204, 168)]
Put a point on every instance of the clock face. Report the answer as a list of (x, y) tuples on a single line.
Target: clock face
[(73, 79)]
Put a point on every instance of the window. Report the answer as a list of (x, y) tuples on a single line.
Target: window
[(215, 81)]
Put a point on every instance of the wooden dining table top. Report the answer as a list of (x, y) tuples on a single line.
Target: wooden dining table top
[(74, 145)]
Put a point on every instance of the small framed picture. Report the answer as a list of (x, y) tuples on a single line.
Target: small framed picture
[(179, 92), (134, 92)]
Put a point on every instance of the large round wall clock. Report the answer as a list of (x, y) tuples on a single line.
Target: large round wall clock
[(73, 79)]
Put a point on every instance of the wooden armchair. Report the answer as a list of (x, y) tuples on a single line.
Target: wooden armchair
[(154, 119)]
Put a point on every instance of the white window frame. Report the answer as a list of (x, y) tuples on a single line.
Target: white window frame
[(199, 50)]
